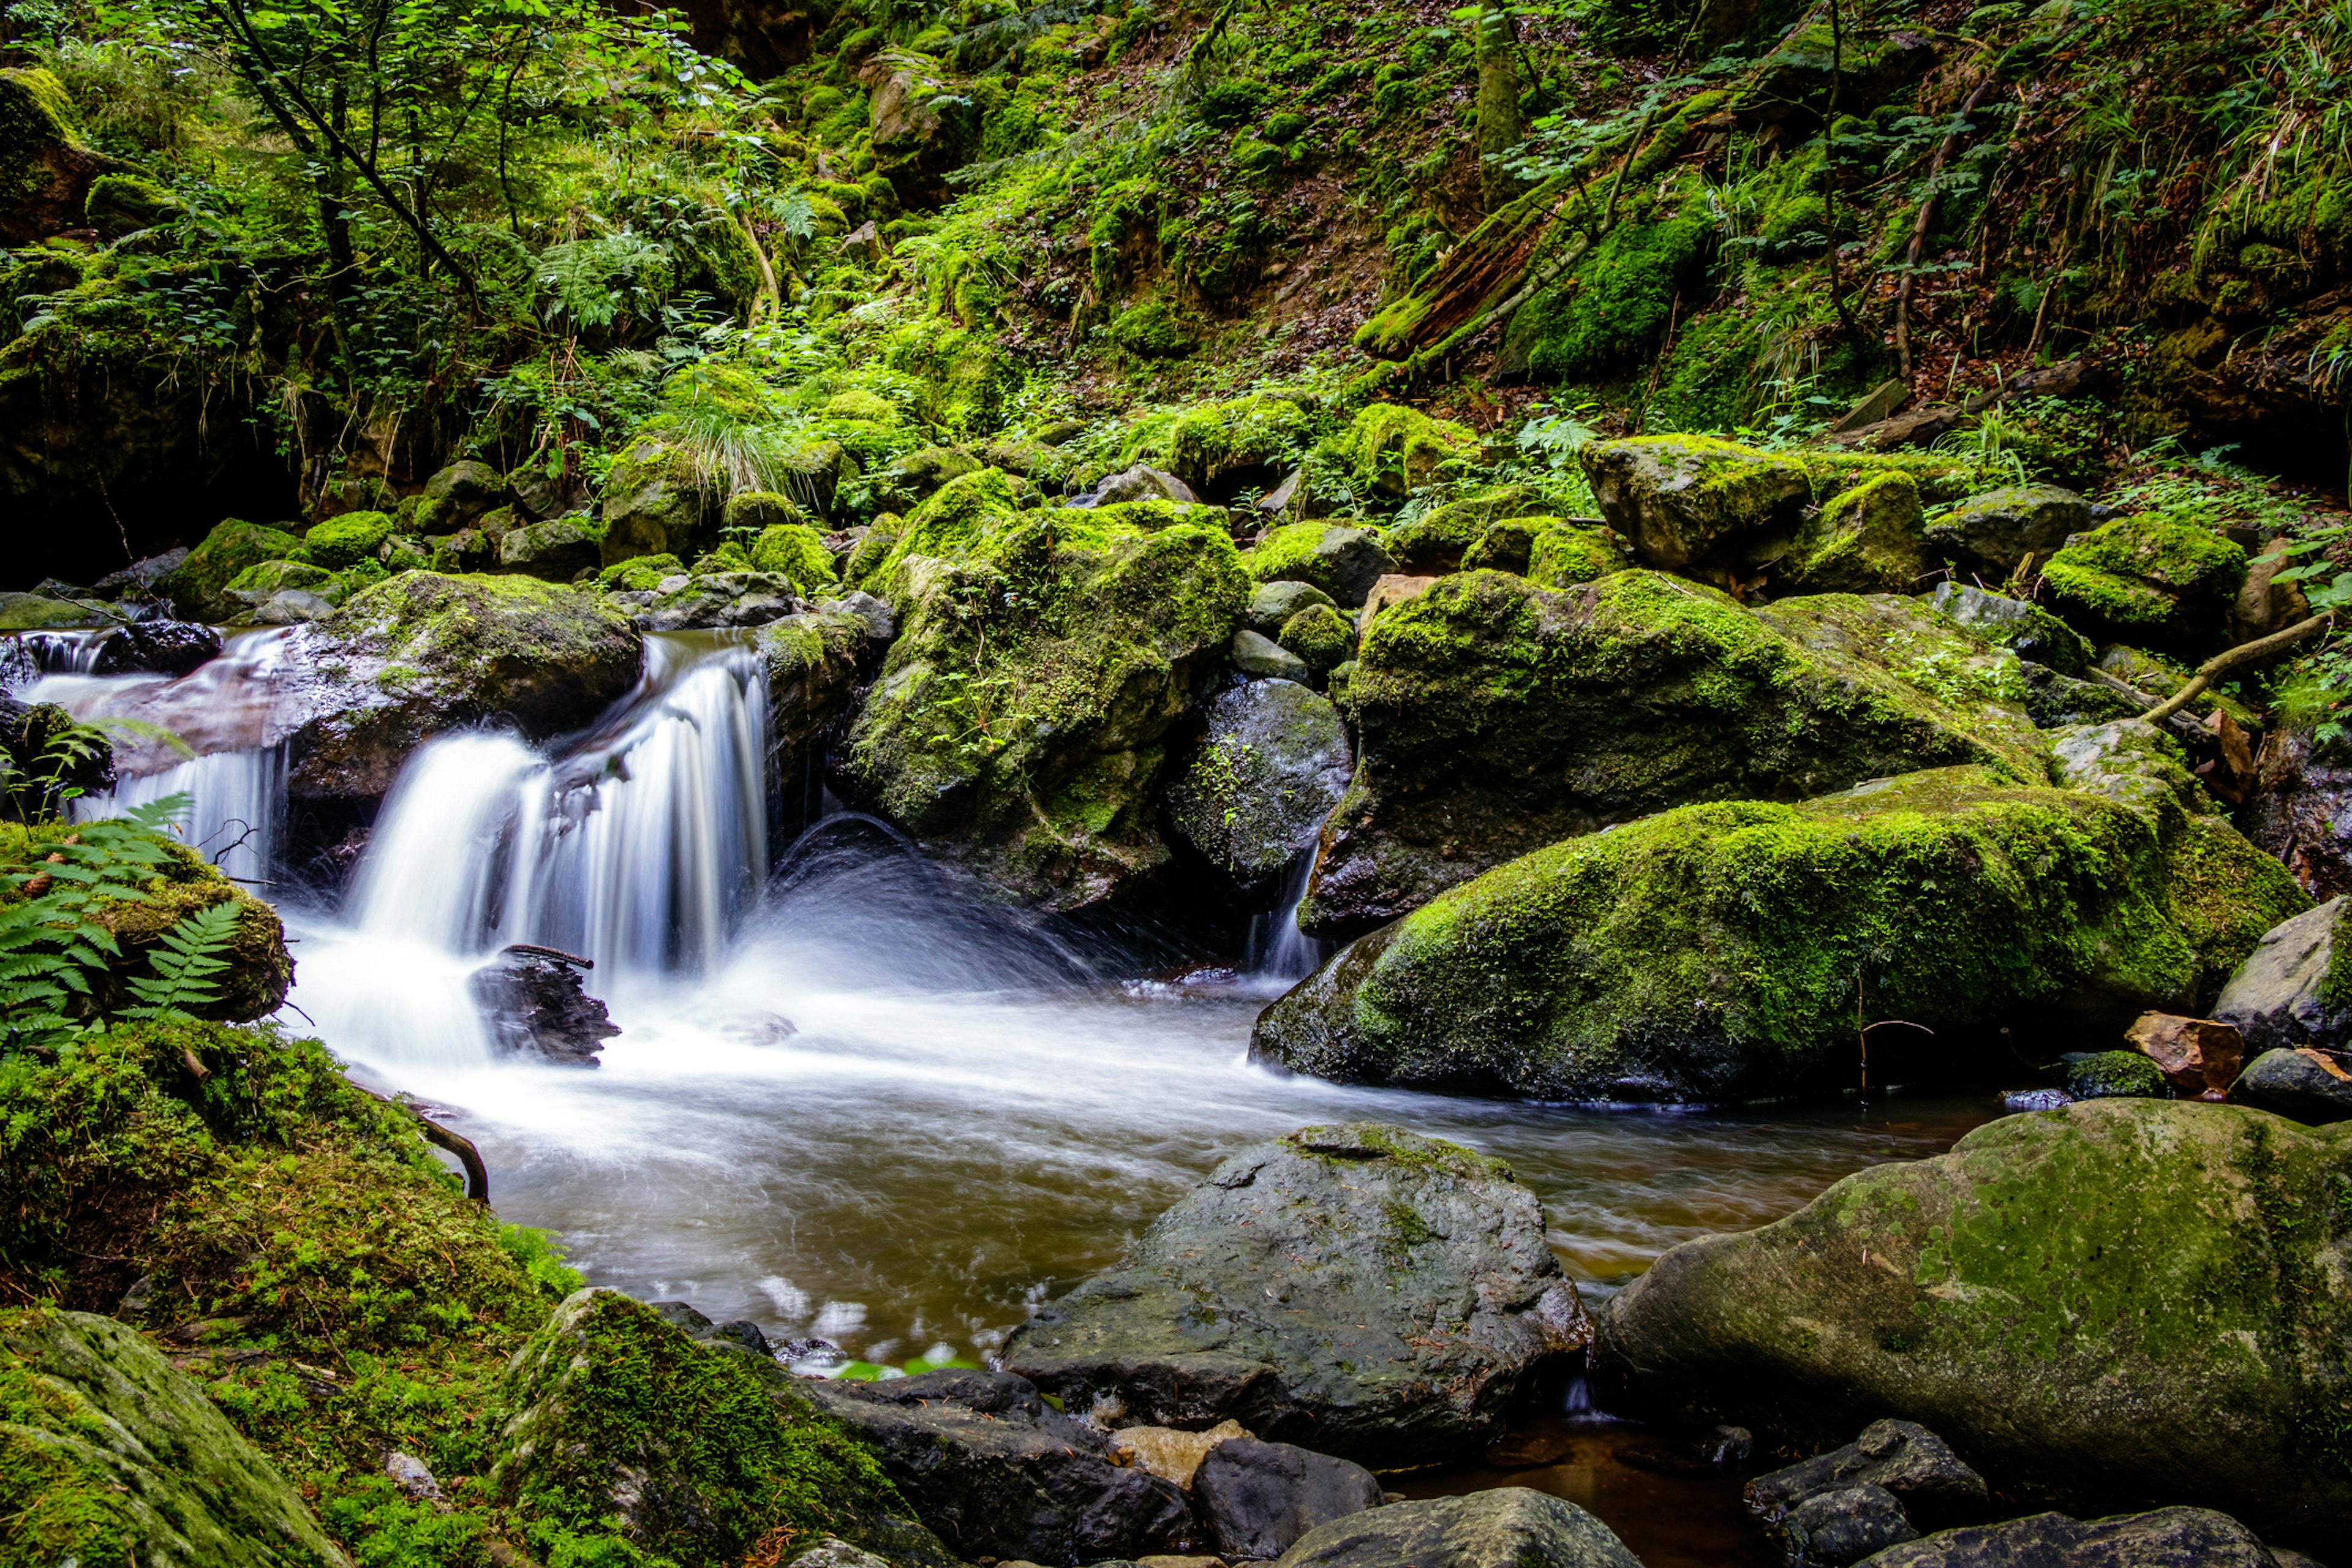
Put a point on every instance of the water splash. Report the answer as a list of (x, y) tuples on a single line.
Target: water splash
[(1278, 950)]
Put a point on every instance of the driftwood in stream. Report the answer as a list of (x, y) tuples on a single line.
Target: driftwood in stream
[(532, 999)]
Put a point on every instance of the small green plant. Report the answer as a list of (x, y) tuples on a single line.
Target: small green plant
[(185, 963)]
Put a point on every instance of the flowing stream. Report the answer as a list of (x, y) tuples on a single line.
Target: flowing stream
[(964, 1119)]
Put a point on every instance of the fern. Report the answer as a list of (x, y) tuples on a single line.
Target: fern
[(52, 944), (185, 965), (588, 277)]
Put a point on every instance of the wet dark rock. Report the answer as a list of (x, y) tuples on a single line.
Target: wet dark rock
[(2281, 996), (166, 648), (2025, 629), (1911, 1464), (38, 777), (1257, 1499), (1994, 533), (2041, 1297), (1834, 1529), (140, 576), (2301, 811), (535, 1006), (1270, 767), (1361, 1289), (2166, 1538), (1510, 1527), (716, 600), (2055, 701), (996, 1471), (1728, 1446), (2021, 1100), (2303, 1084)]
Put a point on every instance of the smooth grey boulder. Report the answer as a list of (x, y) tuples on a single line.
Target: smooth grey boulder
[(1510, 1527), (2027, 630), (1910, 1463), (1144, 482), (1835, 1528), (557, 549), (1359, 1290), (146, 1464), (1257, 1499), (993, 1470), (2298, 1085), (1692, 503), (1344, 562), (1270, 768), (2165, 1537), (1266, 660), (2281, 996), (719, 599), (1274, 603), (1995, 531)]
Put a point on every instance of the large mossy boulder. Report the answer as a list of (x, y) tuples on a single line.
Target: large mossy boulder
[(2088, 1303), (1019, 723), (1218, 449), (1392, 450), (1342, 561), (658, 500), (1270, 767), (1714, 953), (1999, 532), (1694, 502), (47, 170), (1865, 540), (2153, 581), (198, 586), (111, 1456), (610, 1419), (420, 654), (1359, 1290), (1496, 717), (813, 660)]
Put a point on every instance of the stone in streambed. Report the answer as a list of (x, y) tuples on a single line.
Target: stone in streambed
[(1263, 658), (1913, 1464), (534, 1001), (1169, 1453), (2289, 992), (166, 648), (1267, 772), (2195, 1054), (1257, 1499), (2110, 1075), (1835, 1528), (2303, 1084), (998, 1472), (2078, 1300), (1510, 1527), (2165, 1537), (1359, 1289), (1274, 603)]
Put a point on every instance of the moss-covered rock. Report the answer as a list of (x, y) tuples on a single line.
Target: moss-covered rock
[(1497, 717), (422, 652), (796, 552), (1321, 636), (1154, 330), (346, 539), (813, 660), (1340, 561), (1432, 543), (1865, 539), (2020, 625), (1041, 658), (257, 585), (1217, 445), (641, 574), (1619, 301), (554, 550), (1998, 532), (1392, 450), (197, 586), (2107, 1075), (1693, 502), (1714, 952), (2155, 581), (112, 1456), (2078, 1300), (32, 612), (658, 500), (1565, 556), (610, 1419), (46, 171), (1270, 767)]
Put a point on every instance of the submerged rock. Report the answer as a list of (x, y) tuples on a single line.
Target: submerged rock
[(1271, 766), (998, 1472), (1359, 1289), (166, 648), (1496, 717), (420, 654), (1510, 1527), (2165, 1537), (2079, 1300), (113, 1457), (532, 1000), (1714, 952)]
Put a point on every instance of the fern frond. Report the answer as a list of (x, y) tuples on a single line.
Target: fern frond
[(185, 963)]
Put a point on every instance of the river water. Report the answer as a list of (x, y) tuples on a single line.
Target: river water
[(960, 1119)]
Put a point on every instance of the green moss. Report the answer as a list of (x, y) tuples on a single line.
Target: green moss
[(1356, 1140), (1868, 538), (640, 573), (858, 404), (1617, 302), (1563, 556), (344, 541), (35, 117), (1433, 543), (196, 586), (797, 551), (1154, 330), (608, 1389), (2148, 579), (1319, 634), (1216, 438), (1390, 449), (2108, 1075), (275, 576)]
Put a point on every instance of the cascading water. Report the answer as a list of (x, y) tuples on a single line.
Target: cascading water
[(1278, 950), (639, 848)]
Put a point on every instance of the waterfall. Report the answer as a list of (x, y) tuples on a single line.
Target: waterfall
[(1278, 950), (640, 846), (237, 807)]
